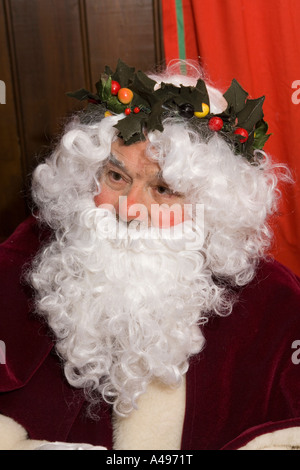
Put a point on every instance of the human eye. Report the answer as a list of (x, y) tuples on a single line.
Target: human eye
[(163, 190), (114, 176)]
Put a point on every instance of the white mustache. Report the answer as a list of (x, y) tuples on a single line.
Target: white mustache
[(188, 235)]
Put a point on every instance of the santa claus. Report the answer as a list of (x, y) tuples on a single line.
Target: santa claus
[(140, 309)]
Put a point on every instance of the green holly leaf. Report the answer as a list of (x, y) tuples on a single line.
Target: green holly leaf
[(142, 83), (106, 90), (137, 100), (155, 118), (123, 74), (260, 135), (143, 91), (131, 127), (103, 87), (108, 71), (114, 105), (251, 114), (236, 97), (191, 95), (99, 88), (82, 94), (200, 94), (165, 93)]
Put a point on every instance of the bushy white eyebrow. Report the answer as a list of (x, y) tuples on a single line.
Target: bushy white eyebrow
[(113, 159)]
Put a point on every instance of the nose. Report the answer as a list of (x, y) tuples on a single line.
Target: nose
[(134, 205)]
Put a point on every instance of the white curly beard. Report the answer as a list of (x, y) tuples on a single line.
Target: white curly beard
[(124, 310)]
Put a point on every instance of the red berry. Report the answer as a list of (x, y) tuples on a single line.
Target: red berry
[(136, 110), (115, 87), (243, 133), (215, 123), (127, 111)]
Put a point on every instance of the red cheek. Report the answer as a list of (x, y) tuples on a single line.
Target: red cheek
[(98, 200), (102, 201), (106, 196)]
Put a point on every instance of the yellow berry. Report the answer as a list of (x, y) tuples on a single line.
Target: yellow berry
[(204, 112)]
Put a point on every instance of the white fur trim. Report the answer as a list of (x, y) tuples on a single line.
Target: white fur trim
[(282, 439), (14, 437), (156, 424)]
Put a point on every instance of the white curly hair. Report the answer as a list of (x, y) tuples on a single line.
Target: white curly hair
[(124, 314)]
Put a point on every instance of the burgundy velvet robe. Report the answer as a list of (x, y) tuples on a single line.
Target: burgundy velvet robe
[(243, 384)]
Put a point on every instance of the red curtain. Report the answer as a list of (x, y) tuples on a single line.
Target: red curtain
[(258, 43)]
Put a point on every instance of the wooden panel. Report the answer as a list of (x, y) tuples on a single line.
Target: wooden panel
[(49, 55), (12, 203), (49, 47), (120, 29)]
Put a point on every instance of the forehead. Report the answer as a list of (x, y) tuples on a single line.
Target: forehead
[(134, 159)]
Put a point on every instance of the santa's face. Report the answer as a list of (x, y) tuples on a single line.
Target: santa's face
[(133, 186)]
